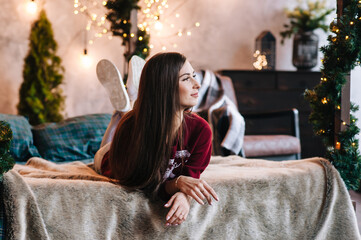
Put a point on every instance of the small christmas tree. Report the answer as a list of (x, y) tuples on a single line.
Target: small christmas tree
[(6, 160), (41, 98)]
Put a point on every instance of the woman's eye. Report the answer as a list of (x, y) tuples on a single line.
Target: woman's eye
[(194, 76), (186, 79)]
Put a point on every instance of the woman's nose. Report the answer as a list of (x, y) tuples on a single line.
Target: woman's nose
[(196, 84)]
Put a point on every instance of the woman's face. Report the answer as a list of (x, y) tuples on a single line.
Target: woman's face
[(188, 86)]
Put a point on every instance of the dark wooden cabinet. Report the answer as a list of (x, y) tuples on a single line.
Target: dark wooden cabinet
[(264, 91)]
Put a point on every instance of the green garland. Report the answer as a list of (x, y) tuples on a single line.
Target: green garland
[(341, 55), (6, 160), (119, 17)]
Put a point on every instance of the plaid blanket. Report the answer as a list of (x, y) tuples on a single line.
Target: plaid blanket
[(217, 106)]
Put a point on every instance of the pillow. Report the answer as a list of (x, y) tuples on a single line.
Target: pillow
[(22, 147), (76, 138)]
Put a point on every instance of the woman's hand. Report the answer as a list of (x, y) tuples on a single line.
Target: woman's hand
[(198, 189), (179, 210)]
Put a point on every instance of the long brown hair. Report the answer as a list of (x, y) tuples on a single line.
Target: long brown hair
[(142, 143)]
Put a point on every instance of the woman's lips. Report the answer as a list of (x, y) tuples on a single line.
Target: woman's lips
[(194, 95)]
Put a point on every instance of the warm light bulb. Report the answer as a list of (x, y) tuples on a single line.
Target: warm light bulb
[(32, 7), (158, 26), (164, 48), (347, 37), (189, 33), (338, 107), (140, 38), (324, 100), (145, 50), (338, 145), (132, 35), (85, 59), (344, 123), (197, 24)]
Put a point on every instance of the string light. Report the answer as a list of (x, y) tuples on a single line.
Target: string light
[(347, 37), (338, 145), (353, 144), (324, 100), (344, 123), (338, 107), (351, 23), (323, 79)]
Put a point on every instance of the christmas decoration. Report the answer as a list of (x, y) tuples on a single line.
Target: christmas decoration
[(341, 55), (6, 160), (41, 99), (265, 53), (153, 17)]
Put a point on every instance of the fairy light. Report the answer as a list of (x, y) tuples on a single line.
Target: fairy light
[(324, 100), (164, 48), (197, 24), (338, 145), (351, 23), (132, 35), (353, 144), (140, 38), (338, 107), (261, 60), (344, 123), (189, 33), (347, 37)]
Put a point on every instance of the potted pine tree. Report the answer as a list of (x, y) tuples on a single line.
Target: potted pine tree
[(41, 98)]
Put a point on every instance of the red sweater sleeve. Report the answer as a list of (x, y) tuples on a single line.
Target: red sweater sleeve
[(201, 151)]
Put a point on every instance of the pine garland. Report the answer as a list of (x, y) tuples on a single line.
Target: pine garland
[(119, 16), (41, 99), (341, 55), (6, 160)]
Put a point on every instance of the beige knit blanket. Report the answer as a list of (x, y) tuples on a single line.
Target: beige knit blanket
[(302, 199)]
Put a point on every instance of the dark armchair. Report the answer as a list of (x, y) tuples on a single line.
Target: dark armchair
[(280, 142)]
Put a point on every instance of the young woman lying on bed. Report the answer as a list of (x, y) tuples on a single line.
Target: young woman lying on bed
[(156, 146)]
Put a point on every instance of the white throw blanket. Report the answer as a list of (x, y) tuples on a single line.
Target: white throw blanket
[(304, 199), (214, 101)]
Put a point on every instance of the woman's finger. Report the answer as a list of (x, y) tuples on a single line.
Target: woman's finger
[(169, 203), (211, 191), (206, 195), (173, 219), (195, 197)]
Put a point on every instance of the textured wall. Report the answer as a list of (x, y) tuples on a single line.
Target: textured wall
[(225, 40)]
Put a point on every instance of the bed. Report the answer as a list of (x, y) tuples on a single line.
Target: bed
[(66, 199)]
